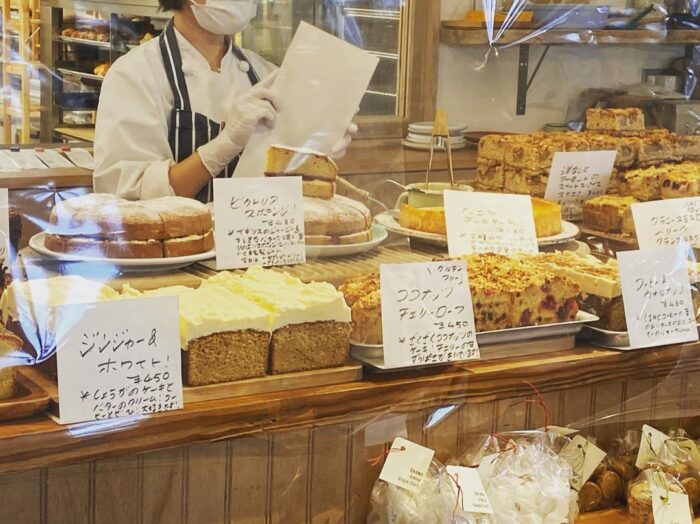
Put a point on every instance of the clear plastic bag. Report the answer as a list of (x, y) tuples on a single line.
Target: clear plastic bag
[(639, 493)]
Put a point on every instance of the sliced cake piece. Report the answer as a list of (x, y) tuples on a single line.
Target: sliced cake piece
[(605, 213), (642, 184), (630, 119), (318, 172)]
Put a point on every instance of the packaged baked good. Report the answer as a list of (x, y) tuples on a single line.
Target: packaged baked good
[(676, 459), (10, 346), (639, 493)]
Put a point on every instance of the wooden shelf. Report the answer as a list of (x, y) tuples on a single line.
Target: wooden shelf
[(452, 34)]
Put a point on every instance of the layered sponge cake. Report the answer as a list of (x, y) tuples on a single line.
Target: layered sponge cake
[(310, 322), (318, 172), (224, 337)]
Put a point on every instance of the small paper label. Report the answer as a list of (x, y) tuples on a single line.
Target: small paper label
[(691, 448), (118, 358), (26, 159), (473, 495), (53, 159), (259, 222), (81, 157), (385, 430), (586, 457), (670, 507), (427, 314), (489, 223), (406, 464), (650, 446), (664, 223), (486, 466), (656, 293), (575, 177)]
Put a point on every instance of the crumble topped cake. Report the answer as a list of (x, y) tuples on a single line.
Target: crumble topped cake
[(630, 119), (607, 213)]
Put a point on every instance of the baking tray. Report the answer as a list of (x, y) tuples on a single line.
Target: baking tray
[(494, 345), (605, 338)]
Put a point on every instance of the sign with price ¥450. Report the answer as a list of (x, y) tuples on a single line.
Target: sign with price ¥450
[(427, 314), (119, 358)]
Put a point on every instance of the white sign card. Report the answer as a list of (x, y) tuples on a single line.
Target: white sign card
[(118, 358), (25, 159), (473, 495), (670, 507), (81, 157), (6, 163), (320, 85), (650, 446), (258, 221), (656, 293), (577, 176), (489, 223), (663, 223), (427, 314), (586, 457), (406, 464), (53, 158)]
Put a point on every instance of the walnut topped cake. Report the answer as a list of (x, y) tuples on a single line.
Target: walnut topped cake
[(102, 225), (626, 120)]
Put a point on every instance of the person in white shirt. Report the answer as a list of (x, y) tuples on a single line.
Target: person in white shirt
[(177, 111)]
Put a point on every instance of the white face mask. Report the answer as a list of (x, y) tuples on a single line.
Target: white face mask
[(224, 17)]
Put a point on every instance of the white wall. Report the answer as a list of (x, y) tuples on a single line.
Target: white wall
[(482, 91)]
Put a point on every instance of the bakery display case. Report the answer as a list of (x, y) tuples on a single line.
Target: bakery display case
[(494, 317)]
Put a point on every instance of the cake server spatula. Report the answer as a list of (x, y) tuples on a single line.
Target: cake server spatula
[(440, 136)]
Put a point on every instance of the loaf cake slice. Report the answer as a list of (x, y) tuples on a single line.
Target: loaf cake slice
[(625, 120), (606, 213), (318, 172), (363, 296)]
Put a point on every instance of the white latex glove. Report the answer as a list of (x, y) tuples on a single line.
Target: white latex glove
[(340, 148), (257, 106)]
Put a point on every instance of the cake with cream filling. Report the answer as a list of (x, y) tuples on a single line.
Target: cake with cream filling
[(224, 337), (339, 220), (102, 225), (310, 322), (318, 172)]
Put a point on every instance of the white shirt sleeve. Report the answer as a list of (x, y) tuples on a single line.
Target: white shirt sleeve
[(132, 154)]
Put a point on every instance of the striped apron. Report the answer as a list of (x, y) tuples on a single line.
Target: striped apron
[(189, 130)]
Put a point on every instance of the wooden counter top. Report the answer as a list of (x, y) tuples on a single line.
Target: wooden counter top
[(384, 156), (39, 441)]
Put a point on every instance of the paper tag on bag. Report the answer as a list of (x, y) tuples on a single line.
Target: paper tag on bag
[(406, 464), (588, 457), (489, 223), (656, 293), (258, 222), (670, 507), (473, 494), (650, 446), (427, 314), (118, 358), (664, 223), (577, 176)]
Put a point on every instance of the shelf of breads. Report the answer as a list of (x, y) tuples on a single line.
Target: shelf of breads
[(83, 41)]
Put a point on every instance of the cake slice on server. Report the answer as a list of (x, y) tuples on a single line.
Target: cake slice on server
[(318, 172)]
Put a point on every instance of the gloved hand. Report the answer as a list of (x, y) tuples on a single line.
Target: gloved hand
[(340, 148), (257, 106)]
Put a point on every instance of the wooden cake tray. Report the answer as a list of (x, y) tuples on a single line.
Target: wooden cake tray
[(31, 398), (351, 372)]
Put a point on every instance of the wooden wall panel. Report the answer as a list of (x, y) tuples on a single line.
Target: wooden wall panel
[(163, 486), (442, 431), (575, 407), (639, 403), (537, 412), (668, 391), (206, 474), (68, 494), (117, 490), (290, 477), (329, 474), (511, 414), (250, 471), (607, 417), (363, 474), (20, 494)]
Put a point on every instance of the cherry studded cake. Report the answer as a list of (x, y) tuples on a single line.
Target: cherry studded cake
[(102, 225)]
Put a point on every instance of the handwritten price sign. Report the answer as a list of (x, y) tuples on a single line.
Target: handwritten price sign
[(118, 359), (259, 221), (427, 314), (666, 222)]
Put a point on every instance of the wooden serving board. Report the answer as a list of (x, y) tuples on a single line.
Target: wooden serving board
[(338, 270), (351, 372), (31, 398)]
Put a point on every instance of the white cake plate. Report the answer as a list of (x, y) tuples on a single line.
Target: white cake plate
[(379, 235), (36, 242)]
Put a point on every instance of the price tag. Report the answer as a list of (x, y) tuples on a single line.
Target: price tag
[(119, 358), (575, 177), (587, 457), (670, 507), (427, 314), (53, 158), (656, 293), (650, 446), (81, 157), (385, 430), (259, 222), (486, 465), (489, 223), (664, 223), (406, 464), (474, 498)]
